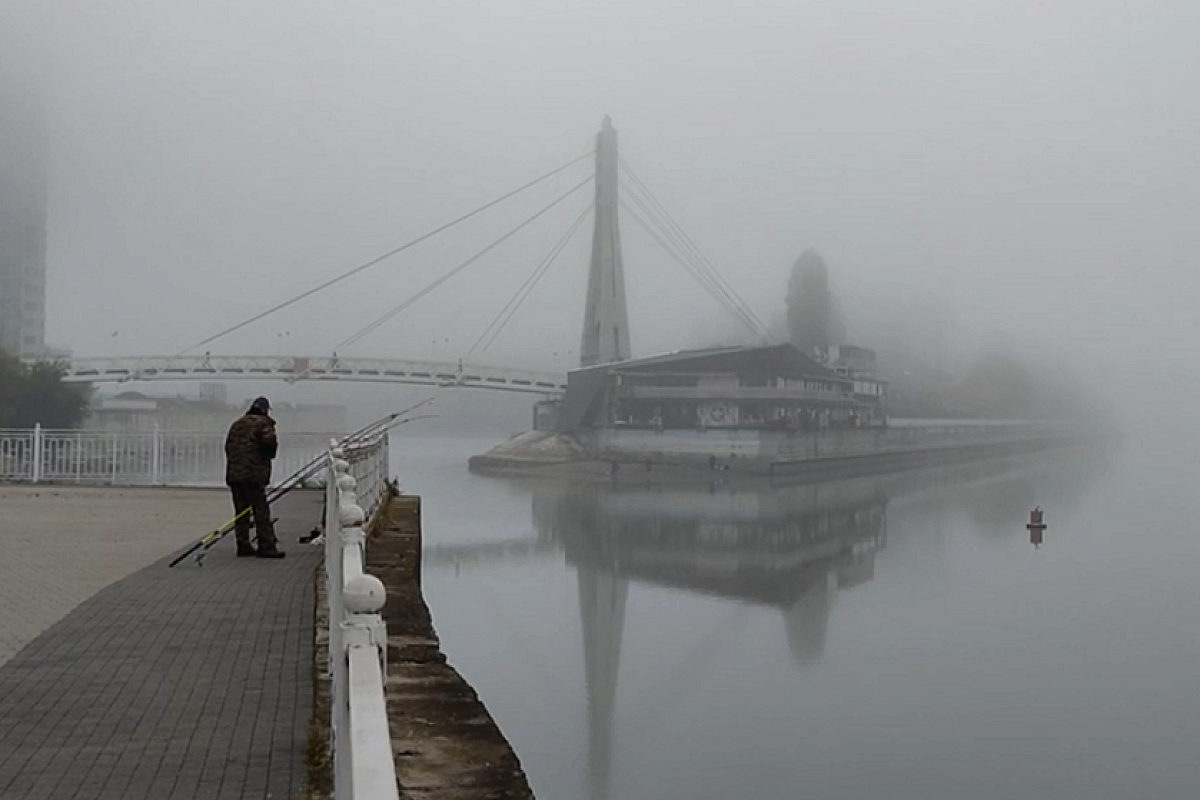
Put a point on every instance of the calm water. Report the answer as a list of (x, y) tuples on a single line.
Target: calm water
[(896, 636)]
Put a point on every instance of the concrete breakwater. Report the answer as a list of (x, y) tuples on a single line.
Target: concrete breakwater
[(608, 451), (446, 744)]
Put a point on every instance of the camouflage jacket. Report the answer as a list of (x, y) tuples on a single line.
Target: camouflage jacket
[(249, 447)]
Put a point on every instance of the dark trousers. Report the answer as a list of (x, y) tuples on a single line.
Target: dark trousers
[(252, 496)]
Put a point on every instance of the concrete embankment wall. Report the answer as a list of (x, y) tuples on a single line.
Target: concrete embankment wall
[(446, 744), (764, 448), (689, 455)]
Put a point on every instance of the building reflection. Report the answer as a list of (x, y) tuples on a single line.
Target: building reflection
[(787, 548), (790, 548)]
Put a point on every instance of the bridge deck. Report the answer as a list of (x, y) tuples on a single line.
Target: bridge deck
[(298, 368), (181, 683)]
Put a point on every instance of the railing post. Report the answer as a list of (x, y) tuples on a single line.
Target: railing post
[(350, 519), (340, 724), (156, 457), (37, 453)]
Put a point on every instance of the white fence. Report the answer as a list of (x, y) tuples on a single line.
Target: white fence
[(135, 458), (355, 486)]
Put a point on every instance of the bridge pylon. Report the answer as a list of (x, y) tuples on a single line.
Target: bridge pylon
[(606, 317)]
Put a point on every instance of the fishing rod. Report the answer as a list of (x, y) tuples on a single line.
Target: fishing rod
[(317, 464), (319, 530), (297, 478)]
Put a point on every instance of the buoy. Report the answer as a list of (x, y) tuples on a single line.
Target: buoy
[(1036, 526)]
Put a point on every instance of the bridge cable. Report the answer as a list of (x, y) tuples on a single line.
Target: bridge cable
[(688, 245), (368, 264), (529, 282), (696, 270), (704, 272), (710, 267), (549, 262), (670, 250), (388, 315), (532, 278), (665, 229), (689, 268)]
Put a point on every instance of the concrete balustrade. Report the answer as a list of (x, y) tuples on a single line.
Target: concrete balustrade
[(362, 753)]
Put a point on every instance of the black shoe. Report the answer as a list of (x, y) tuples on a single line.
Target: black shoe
[(270, 552), (246, 549)]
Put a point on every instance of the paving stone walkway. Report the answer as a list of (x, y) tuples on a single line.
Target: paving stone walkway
[(171, 683), (59, 545)]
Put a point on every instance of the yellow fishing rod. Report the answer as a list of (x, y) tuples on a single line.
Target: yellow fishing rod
[(377, 427)]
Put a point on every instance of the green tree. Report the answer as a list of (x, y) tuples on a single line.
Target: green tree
[(36, 394), (813, 312), (11, 383)]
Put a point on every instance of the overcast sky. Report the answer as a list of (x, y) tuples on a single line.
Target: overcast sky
[(1031, 164)]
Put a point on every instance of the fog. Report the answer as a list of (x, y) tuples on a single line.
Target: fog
[(1016, 178), (1028, 167)]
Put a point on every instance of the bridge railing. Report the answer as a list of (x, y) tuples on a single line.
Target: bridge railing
[(303, 368), (135, 458), (355, 486)]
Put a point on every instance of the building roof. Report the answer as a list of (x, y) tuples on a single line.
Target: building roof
[(780, 359)]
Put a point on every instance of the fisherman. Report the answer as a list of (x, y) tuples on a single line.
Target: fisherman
[(250, 446)]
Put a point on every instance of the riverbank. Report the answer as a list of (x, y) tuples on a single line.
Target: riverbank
[(700, 456), (446, 744)]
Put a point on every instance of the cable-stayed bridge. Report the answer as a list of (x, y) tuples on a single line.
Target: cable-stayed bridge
[(605, 327)]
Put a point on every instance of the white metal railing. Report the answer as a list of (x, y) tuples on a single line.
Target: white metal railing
[(135, 458), (356, 484)]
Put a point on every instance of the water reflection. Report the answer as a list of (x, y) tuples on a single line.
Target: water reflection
[(790, 548)]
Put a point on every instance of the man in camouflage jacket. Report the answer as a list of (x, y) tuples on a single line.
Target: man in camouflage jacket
[(250, 446)]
